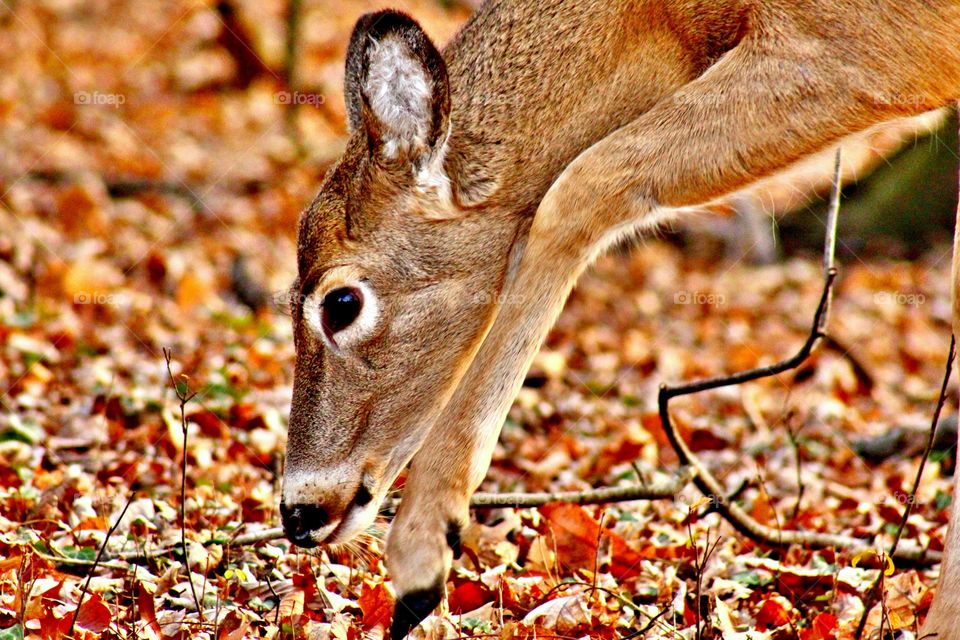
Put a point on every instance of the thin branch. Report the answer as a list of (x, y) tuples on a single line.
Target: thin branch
[(830, 241), (596, 556), (184, 395), (741, 521), (908, 508), (653, 622), (276, 597), (291, 56), (606, 495), (794, 437), (833, 215), (96, 561), (120, 187), (79, 562), (730, 498), (127, 187)]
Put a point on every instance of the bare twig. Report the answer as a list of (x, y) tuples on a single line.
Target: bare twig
[(711, 507), (25, 587), (794, 437), (122, 187), (596, 557), (605, 495), (653, 622), (80, 562), (699, 566), (709, 485), (911, 499), (276, 597), (127, 187), (96, 561), (185, 396), (292, 43), (291, 56), (833, 215)]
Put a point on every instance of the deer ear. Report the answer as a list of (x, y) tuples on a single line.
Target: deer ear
[(396, 87)]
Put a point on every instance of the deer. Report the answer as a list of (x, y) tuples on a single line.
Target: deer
[(477, 184)]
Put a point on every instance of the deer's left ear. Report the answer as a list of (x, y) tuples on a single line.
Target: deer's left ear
[(396, 87)]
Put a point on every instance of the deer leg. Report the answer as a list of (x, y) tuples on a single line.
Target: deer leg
[(749, 115)]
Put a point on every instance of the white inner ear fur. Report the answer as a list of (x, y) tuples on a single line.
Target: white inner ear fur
[(433, 187), (358, 330), (400, 93)]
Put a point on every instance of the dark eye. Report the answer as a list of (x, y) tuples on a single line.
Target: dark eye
[(340, 308)]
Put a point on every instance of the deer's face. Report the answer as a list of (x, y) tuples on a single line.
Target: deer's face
[(395, 291)]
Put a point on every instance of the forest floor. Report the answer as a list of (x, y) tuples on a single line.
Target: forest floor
[(140, 173)]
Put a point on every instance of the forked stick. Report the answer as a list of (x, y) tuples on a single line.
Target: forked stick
[(708, 483)]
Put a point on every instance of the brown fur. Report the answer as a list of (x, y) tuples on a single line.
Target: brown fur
[(570, 123)]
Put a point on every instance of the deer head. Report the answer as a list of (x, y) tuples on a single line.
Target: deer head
[(399, 267)]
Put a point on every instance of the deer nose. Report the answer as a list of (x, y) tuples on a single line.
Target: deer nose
[(301, 520)]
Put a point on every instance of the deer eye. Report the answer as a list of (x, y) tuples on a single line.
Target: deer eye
[(340, 308)]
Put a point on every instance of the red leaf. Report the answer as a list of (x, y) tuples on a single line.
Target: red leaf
[(94, 616), (824, 628), (210, 424), (623, 450), (234, 626), (576, 534), (772, 614), (147, 609), (469, 596), (375, 602)]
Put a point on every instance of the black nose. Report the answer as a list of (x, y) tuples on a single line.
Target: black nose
[(299, 521)]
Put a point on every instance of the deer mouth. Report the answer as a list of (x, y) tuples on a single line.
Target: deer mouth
[(310, 525), (355, 519)]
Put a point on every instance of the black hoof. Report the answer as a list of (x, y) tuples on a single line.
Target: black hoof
[(412, 608)]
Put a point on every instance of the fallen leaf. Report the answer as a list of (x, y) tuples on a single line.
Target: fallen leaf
[(376, 604)]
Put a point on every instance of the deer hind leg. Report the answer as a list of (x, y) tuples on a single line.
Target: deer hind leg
[(748, 116)]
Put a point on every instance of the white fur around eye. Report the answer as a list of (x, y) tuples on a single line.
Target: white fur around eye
[(359, 329)]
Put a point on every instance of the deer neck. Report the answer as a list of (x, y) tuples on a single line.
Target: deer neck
[(518, 117)]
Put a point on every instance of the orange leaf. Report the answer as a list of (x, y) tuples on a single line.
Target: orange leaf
[(774, 613), (94, 616), (234, 626), (576, 535), (376, 605), (824, 627), (147, 609), (291, 605)]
